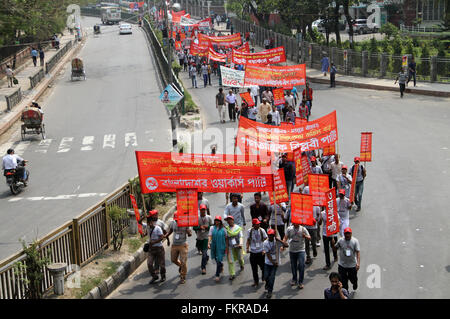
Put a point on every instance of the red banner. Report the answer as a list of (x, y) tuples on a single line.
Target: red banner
[(306, 169), (306, 136), (278, 96), (199, 50), (182, 36), (332, 221), (366, 147), (178, 45), (276, 76), (247, 98), (329, 150), (302, 209), (166, 172), (352, 189), (136, 214), (271, 56), (244, 48), (318, 186), (224, 41), (187, 207), (281, 194), (213, 55)]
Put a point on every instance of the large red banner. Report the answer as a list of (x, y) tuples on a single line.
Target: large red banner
[(166, 172), (281, 194), (366, 147), (352, 189), (332, 221), (187, 207), (302, 209), (213, 55), (199, 50), (224, 41), (276, 76), (318, 186), (247, 98), (244, 48), (271, 56), (136, 214), (278, 96), (306, 136)]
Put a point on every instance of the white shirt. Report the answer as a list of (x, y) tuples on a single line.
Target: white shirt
[(336, 169), (290, 100), (276, 117), (10, 161), (252, 111), (343, 207), (256, 242), (254, 90)]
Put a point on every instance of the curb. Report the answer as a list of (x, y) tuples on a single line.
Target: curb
[(107, 286), (44, 86), (379, 87)]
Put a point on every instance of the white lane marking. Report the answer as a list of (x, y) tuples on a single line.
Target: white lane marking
[(35, 198), (20, 148), (87, 195), (88, 141), (15, 199), (109, 140), (44, 145), (444, 148), (130, 139), (60, 197), (64, 147)]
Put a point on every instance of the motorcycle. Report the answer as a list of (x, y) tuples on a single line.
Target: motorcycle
[(16, 184)]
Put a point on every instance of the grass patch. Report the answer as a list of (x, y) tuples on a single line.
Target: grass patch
[(87, 285), (189, 104), (134, 243)]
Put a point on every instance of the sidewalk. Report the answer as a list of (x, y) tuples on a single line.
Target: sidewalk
[(316, 76), (7, 119)]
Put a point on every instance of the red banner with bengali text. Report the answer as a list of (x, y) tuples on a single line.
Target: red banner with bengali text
[(177, 45), (278, 96), (318, 186), (332, 221), (213, 55), (187, 207), (281, 194), (366, 147), (232, 40), (329, 150), (352, 189), (302, 209), (276, 76), (247, 98), (136, 214), (244, 48), (199, 50), (271, 56)]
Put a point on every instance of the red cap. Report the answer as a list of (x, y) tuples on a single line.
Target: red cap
[(271, 232), (356, 159), (203, 206), (218, 218), (175, 215), (255, 221), (230, 217), (153, 212), (344, 166), (342, 191), (313, 158), (348, 230)]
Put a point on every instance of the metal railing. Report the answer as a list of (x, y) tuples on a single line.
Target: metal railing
[(419, 29), (36, 78), (55, 59), (13, 99), (75, 243)]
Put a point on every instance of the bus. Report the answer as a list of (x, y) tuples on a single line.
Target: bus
[(110, 15)]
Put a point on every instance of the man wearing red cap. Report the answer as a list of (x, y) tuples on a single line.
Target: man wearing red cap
[(336, 168), (270, 247), (255, 239), (344, 181), (349, 258), (202, 230), (203, 201), (156, 252), (296, 234), (343, 205), (314, 168), (359, 187)]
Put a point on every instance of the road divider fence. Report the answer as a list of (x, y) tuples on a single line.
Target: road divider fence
[(13, 99), (50, 64)]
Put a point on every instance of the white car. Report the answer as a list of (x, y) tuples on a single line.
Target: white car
[(318, 25), (125, 28)]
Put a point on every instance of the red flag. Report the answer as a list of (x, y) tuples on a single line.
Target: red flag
[(366, 147), (187, 207), (247, 98), (352, 189), (281, 195), (278, 96), (302, 209), (332, 221), (318, 185), (136, 214)]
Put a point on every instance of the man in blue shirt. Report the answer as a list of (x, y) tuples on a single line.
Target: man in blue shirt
[(335, 291), (34, 55)]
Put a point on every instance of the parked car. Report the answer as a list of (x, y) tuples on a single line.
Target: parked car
[(318, 25), (125, 28), (359, 26)]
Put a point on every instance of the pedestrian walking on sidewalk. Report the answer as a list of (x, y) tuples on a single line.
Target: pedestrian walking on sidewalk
[(9, 76), (234, 246), (412, 71), (401, 78), (336, 291), (270, 247), (231, 101), (349, 258), (217, 244), (41, 56), (325, 65), (156, 252), (327, 241), (34, 55), (255, 239), (359, 187), (333, 72), (295, 237), (220, 105), (202, 230), (179, 250)]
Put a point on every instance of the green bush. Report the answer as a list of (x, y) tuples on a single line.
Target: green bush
[(390, 30), (424, 67), (176, 68)]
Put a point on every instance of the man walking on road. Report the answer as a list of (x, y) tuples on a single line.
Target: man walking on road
[(236, 210), (264, 109), (412, 71), (270, 247), (231, 101), (312, 241), (289, 173), (220, 105), (217, 244), (34, 55), (205, 74), (255, 239), (401, 78), (204, 201), (193, 75), (359, 187), (327, 242), (156, 252), (260, 211), (307, 95), (204, 223), (234, 246), (179, 250), (336, 169), (333, 72), (349, 259), (344, 205), (296, 234)]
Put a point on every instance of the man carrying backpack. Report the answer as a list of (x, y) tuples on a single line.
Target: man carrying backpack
[(255, 239)]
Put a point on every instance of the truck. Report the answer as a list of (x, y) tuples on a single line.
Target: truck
[(110, 15)]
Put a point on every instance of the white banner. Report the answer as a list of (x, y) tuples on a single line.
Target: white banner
[(186, 22), (232, 78)]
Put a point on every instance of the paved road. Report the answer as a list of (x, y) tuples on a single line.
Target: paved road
[(93, 128), (403, 225)]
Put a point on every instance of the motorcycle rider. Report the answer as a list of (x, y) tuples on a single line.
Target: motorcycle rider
[(11, 162)]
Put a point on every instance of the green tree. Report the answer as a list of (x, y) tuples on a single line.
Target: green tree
[(423, 68), (389, 30)]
